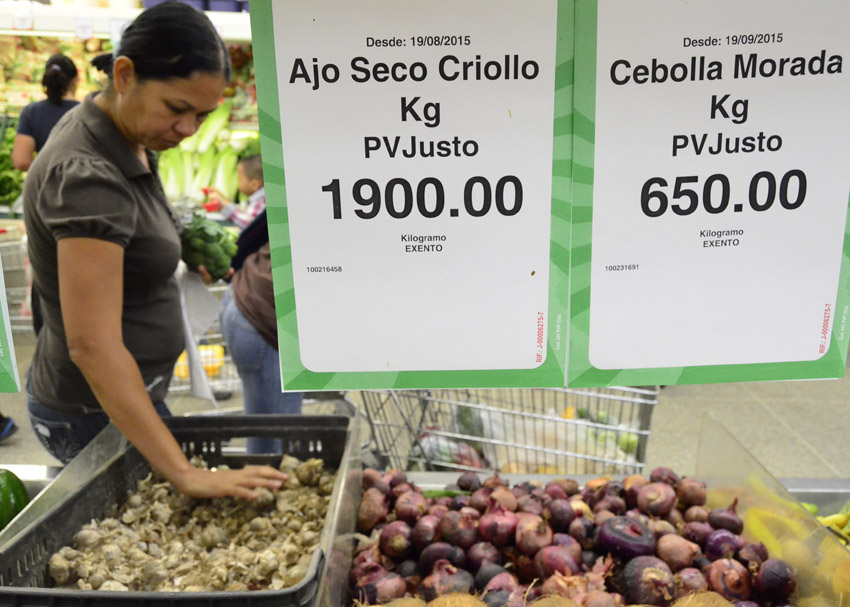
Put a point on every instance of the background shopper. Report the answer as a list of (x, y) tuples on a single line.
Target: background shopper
[(249, 173), (104, 244), (249, 324), (60, 82)]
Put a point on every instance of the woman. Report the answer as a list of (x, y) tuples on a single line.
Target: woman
[(60, 82), (104, 243), (249, 324)]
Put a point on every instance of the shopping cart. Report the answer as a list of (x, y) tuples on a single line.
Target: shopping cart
[(217, 362), (13, 253), (522, 431)]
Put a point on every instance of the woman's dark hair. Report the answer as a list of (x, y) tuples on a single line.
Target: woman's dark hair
[(170, 40), (59, 72)]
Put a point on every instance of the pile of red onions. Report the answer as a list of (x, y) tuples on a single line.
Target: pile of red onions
[(646, 541)]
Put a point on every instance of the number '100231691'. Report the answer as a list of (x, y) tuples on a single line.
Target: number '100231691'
[(398, 198), (764, 188)]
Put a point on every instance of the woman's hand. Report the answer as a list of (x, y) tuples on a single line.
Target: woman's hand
[(238, 483), (207, 277)]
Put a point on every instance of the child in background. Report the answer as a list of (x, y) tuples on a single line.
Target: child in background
[(249, 172)]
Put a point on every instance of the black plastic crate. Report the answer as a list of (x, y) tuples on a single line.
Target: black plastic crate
[(24, 578)]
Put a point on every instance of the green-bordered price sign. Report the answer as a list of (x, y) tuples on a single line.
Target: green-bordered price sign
[(9, 380), (712, 173), (417, 162)]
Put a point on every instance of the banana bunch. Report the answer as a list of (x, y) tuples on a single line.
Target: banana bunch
[(838, 523)]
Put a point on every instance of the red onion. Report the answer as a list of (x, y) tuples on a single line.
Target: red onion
[(664, 475), (470, 512), (661, 527), (690, 492), (480, 553), (395, 539), (626, 538), (410, 506), (753, 555), (504, 496), (529, 503), (775, 580), (730, 579), (559, 514), (494, 481), (425, 532), (376, 586), (502, 581), (440, 551), (372, 478), (532, 533), (437, 511), (372, 510), (555, 491), (481, 498), (697, 532), (612, 503), (656, 499), (727, 518), (676, 551), (689, 580), (632, 485), (570, 486), (394, 477), (487, 572), (696, 514), (459, 501), (458, 528), (550, 559), (469, 481), (648, 581), (400, 489), (721, 544), (498, 524), (600, 517), (445, 579), (496, 598), (675, 518), (570, 543), (584, 531)]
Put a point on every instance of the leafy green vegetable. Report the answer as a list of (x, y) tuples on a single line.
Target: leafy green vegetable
[(206, 243), (11, 179)]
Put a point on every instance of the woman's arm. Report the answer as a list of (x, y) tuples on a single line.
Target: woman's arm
[(91, 296), (22, 152)]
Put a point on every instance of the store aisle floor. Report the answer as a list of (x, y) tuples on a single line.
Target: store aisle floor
[(796, 429)]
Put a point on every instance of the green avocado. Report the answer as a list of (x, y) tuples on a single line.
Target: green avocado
[(13, 496)]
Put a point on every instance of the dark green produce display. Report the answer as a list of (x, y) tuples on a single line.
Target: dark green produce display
[(11, 179), (13, 496)]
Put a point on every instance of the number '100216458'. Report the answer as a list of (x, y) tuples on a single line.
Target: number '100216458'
[(764, 188), (398, 197)]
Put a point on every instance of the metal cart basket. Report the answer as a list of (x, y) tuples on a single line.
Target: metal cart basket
[(520, 431)]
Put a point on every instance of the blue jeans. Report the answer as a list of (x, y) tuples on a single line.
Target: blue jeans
[(63, 434), (258, 365)]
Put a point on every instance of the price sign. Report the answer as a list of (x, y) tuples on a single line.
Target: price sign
[(719, 191), (411, 147)]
